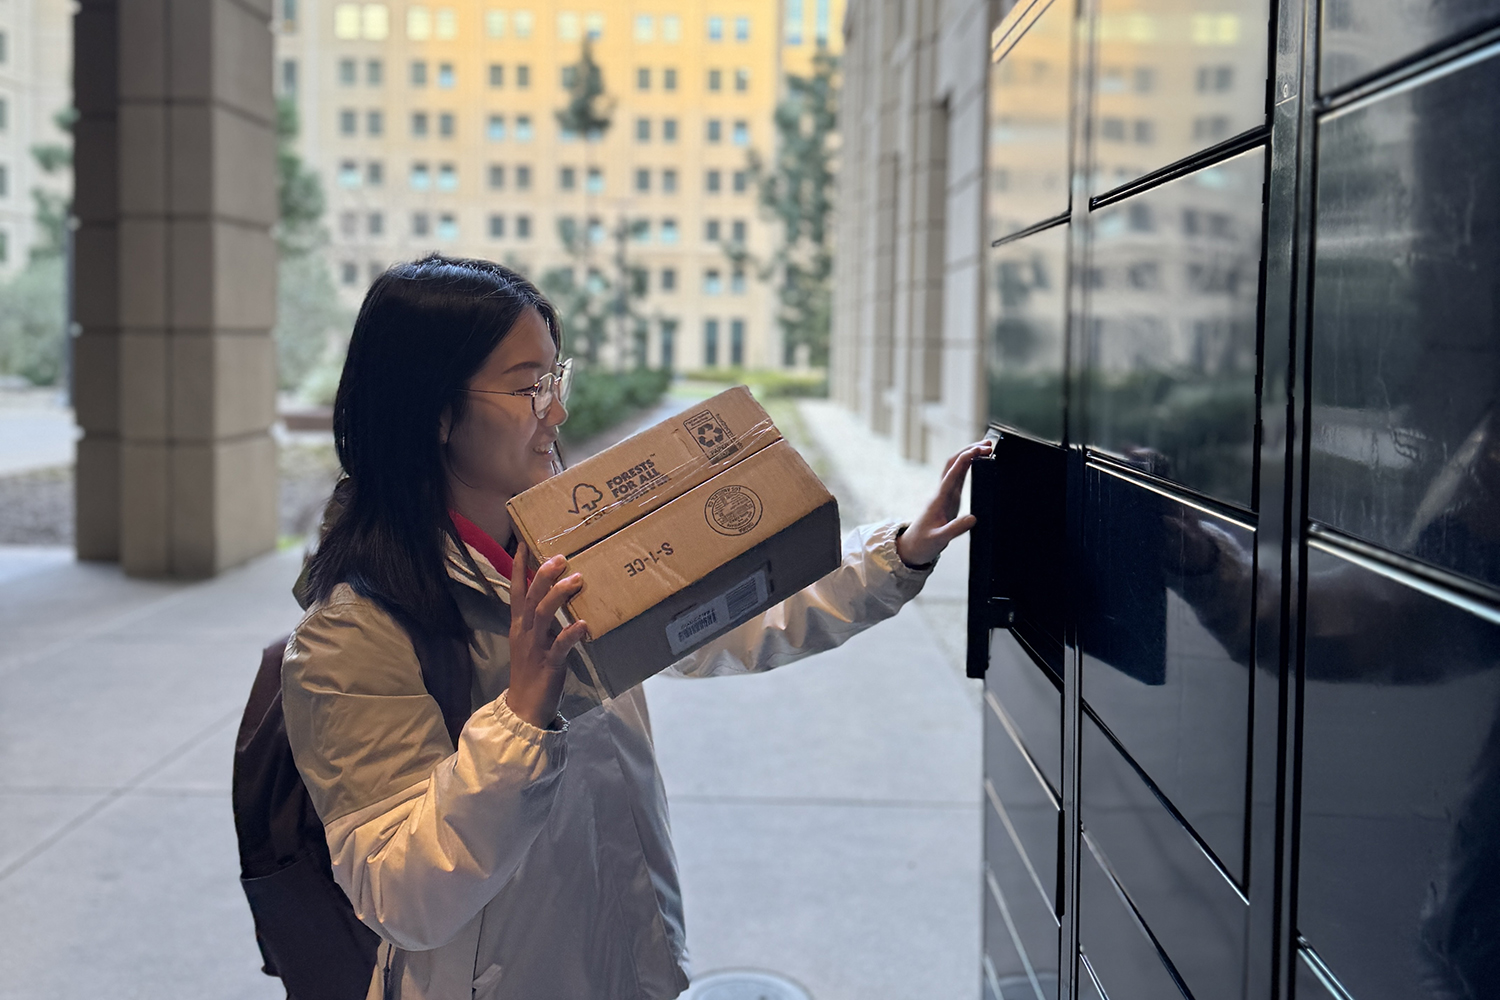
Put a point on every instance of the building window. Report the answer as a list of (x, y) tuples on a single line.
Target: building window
[(642, 78), (446, 125), (447, 227), (741, 181), (375, 173), (715, 130), (1144, 132), (742, 29), (418, 73), (496, 177), (711, 230), (821, 23), (447, 23), (737, 343), (669, 130), (348, 122), (715, 80), (497, 75), (642, 180), (640, 232), (418, 23), (741, 80), (523, 227), (716, 29), (374, 72), (289, 76), (741, 133), (1211, 129), (669, 230), (668, 281), (713, 284), (349, 225), (421, 179), (494, 128), (645, 27), (523, 177), (447, 179), (346, 21), (569, 77), (419, 124), (596, 231), (375, 223), (737, 283), (669, 181), (669, 79), (567, 179), (497, 227), (711, 343), (738, 232), (375, 22), (643, 130), (4, 181), (671, 28), (445, 76), (793, 27), (524, 22), (375, 122), (494, 23), (1215, 79), (523, 76), (567, 26), (523, 128), (593, 27), (711, 182), (668, 342), (349, 272), (4, 247), (374, 270), (348, 72), (420, 224)]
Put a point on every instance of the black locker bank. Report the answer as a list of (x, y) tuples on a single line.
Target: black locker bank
[(1235, 593)]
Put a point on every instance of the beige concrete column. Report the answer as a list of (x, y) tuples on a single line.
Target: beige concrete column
[(183, 463)]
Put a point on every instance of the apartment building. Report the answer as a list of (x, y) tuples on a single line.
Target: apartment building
[(35, 85), (434, 127)]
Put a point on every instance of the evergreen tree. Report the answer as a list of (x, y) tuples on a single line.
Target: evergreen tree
[(33, 303), (796, 190)]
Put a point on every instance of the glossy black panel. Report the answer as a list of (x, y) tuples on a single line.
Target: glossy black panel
[(1406, 322), (1032, 700), (1399, 871), (1166, 643), (1174, 78), (1128, 964), (1028, 109), (1027, 918), (1022, 808), (1196, 915), (1088, 989), (1025, 323), (1004, 973), (1361, 37), (1174, 284)]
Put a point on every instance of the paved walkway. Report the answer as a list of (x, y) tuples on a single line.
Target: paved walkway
[(826, 815), (36, 430)]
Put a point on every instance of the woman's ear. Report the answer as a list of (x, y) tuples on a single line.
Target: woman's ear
[(445, 424)]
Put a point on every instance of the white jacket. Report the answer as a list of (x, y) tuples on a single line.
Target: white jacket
[(529, 864)]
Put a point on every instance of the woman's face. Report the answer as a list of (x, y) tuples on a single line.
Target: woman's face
[(500, 447)]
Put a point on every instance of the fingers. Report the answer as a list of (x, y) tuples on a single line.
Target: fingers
[(546, 575), (956, 527), (518, 571), (566, 640), (563, 591)]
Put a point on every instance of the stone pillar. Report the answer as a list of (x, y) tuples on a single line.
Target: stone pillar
[(176, 368)]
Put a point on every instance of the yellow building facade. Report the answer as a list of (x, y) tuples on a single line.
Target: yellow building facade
[(434, 127)]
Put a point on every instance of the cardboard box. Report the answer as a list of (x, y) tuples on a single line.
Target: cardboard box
[(696, 556), (599, 496)]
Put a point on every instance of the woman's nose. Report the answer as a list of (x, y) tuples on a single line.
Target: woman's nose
[(557, 414)]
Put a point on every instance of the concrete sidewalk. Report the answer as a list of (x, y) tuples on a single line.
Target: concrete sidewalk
[(826, 815)]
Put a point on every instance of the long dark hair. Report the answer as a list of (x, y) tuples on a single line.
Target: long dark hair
[(423, 331)]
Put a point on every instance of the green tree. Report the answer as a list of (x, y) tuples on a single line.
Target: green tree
[(310, 320), (33, 303), (590, 109), (796, 190)]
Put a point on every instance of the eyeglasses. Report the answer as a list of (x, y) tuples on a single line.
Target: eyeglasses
[(551, 387)]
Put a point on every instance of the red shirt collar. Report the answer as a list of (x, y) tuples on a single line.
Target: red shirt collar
[(480, 541)]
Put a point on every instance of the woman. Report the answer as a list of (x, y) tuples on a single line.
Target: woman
[(532, 860)]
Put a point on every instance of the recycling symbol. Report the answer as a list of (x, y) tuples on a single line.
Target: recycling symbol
[(710, 435)]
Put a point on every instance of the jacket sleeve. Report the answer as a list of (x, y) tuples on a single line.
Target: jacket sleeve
[(421, 836), (870, 585)]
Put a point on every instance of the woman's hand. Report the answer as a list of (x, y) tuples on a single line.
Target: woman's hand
[(537, 660), (939, 524)]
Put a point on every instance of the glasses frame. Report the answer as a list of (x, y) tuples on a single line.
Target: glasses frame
[(554, 386)]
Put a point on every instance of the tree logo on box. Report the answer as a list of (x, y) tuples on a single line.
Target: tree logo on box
[(586, 498), (712, 435), (733, 510)]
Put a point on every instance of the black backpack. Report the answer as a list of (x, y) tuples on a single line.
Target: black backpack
[(305, 925)]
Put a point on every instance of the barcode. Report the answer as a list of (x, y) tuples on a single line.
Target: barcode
[(743, 598), (708, 617)]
